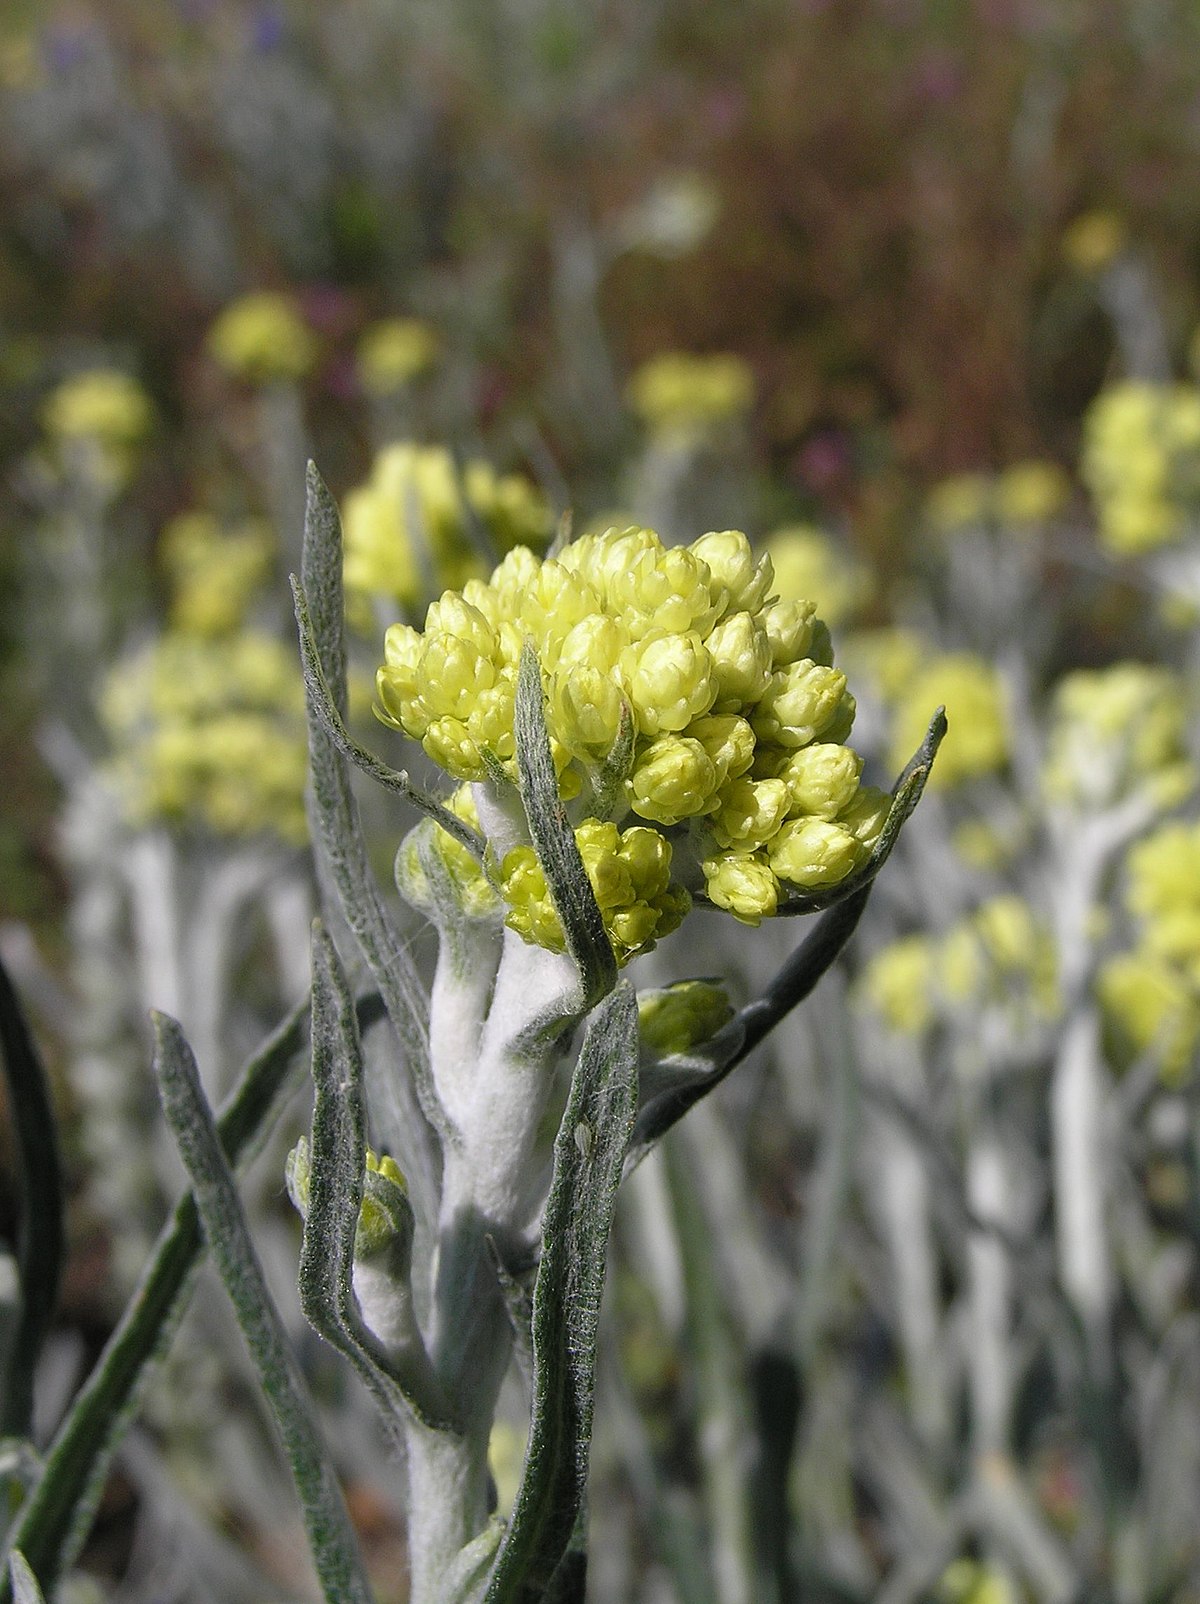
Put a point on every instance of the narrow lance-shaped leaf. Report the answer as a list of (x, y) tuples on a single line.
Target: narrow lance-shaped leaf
[(557, 850), (709, 1064), (335, 1191), (339, 832), (331, 1537), (588, 1155), (40, 1225), (56, 1519), (395, 780)]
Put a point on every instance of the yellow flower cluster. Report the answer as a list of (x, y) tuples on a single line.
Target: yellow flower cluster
[(970, 689), (1115, 731), (1000, 956), (1141, 463), (678, 395), (210, 734), (1151, 995), (473, 892), (262, 339), (394, 352), (630, 872), (738, 716), (1021, 497), (214, 575), (808, 564), (408, 527)]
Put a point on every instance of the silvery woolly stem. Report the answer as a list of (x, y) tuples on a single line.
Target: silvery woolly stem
[(494, 1073)]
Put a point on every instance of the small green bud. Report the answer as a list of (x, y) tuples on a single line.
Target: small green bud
[(680, 1016)]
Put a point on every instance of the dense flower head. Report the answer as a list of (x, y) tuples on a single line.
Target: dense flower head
[(970, 690), (1116, 731), (409, 527), (214, 573), (736, 714), (808, 564), (394, 352), (1141, 463), (210, 734), (679, 395), (262, 339)]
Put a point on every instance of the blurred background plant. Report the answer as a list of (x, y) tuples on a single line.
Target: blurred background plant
[(908, 292)]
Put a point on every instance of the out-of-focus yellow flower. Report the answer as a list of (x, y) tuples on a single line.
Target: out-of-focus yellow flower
[(887, 660), (262, 339), (1030, 493), (967, 1582), (1000, 955), (977, 741), (898, 984), (678, 395), (959, 502), (1093, 240), (738, 735), (1019, 498), (210, 734), (1115, 731), (102, 405), (394, 352), (1150, 1005), (1141, 463), (408, 532), (807, 564), (214, 574)]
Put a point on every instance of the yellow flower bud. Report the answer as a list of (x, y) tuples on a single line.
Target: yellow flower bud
[(790, 627), (812, 853), (741, 661), (822, 779), (747, 581), (679, 1016), (674, 779), (977, 741), (669, 679), (742, 883), (751, 812), (729, 742), (801, 701)]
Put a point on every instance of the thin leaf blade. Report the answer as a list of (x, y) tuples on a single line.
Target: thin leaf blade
[(331, 1537), (40, 1231), (588, 1156), (557, 850)]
